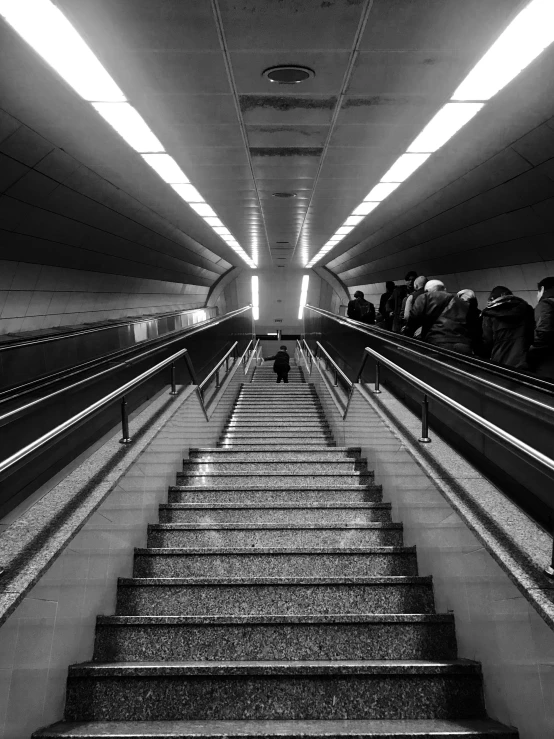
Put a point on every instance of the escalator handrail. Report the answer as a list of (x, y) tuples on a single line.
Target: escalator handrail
[(480, 380), (92, 409), (519, 446), (87, 412), (401, 341), (171, 339), (79, 332)]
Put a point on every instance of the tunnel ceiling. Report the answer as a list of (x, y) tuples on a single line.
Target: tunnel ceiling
[(382, 70)]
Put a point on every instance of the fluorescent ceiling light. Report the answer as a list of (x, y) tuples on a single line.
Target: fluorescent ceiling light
[(343, 230), (526, 37), (255, 297), (353, 220), (364, 208), (303, 295), (448, 121), (381, 191), (203, 209), (166, 167), (130, 125), (189, 194), (404, 167), (51, 35)]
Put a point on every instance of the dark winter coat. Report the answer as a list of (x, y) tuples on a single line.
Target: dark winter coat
[(541, 352), (508, 324), (443, 318), (394, 307), (385, 321), (362, 310), (282, 361)]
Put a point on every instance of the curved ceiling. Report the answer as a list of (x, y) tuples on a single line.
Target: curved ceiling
[(382, 70)]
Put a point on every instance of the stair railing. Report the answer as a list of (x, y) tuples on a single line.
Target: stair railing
[(232, 355), (13, 462), (515, 445), (322, 357)]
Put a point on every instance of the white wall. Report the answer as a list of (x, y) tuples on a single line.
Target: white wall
[(36, 296)]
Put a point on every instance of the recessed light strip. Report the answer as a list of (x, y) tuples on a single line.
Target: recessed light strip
[(527, 36), (303, 295), (255, 298), (44, 27)]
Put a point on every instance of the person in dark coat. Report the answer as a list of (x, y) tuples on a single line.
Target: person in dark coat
[(540, 356), (394, 303), (508, 324), (473, 320), (361, 309), (281, 365), (383, 320), (443, 318)]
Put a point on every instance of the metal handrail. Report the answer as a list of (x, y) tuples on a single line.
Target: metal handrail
[(215, 371), (336, 368), (519, 447), (11, 415), (252, 353), (299, 349), (400, 341), (313, 360), (120, 392)]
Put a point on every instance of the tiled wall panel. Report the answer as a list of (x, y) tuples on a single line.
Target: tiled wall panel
[(55, 624), (35, 296)]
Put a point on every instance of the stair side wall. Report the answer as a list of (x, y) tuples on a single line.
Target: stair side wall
[(495, 624), (54, 625)]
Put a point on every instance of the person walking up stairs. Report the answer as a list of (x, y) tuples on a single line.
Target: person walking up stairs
[(276, 599)]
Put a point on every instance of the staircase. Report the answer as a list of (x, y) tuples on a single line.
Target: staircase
[(276, 600)]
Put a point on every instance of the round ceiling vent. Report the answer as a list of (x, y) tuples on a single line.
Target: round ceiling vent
[(288, 74), (284, 195)]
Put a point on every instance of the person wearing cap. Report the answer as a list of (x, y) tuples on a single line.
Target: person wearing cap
[(361, 309), (394, 303), (281, 365), (443, 318)]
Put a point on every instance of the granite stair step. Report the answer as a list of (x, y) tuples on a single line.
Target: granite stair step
[(291, 513), (221, 638), (345, 689), (279, 436), (275, 494), (369, 729), (260, 596), (272, 479), (270, 424), (255, 444), (266, 466), (323, 454), (275, 561), (273, 535)]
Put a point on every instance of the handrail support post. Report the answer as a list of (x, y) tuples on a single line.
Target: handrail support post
[(173, 390), (126, 439), (425, 421), (377, 388)]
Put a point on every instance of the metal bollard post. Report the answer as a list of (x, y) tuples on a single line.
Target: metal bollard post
[(126, 439), (424, 421), (336, 382), (217, 378), (377, 388), (173, 390)]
